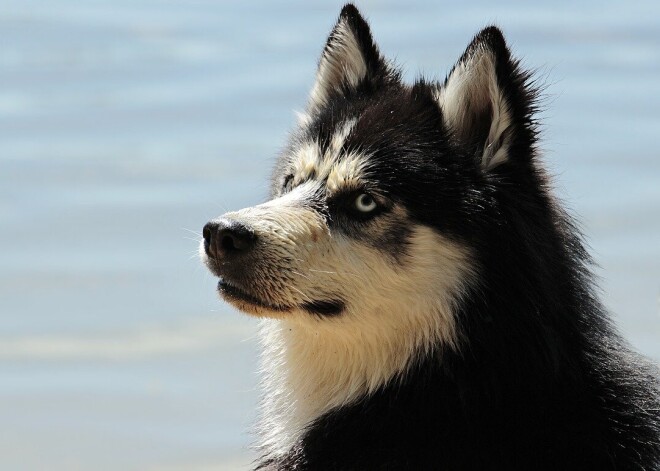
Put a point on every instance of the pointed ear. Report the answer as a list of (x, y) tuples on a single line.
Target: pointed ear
[(350, 59), (486, 101)]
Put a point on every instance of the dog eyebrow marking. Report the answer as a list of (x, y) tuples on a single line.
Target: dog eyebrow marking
[(305, 162), (347, 173), (336, 169)]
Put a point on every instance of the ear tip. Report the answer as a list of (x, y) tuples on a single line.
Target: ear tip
[(349, 11), (352, 16), (492, 32), (491, 37)]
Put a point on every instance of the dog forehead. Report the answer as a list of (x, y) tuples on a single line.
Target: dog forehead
[(332, 163)]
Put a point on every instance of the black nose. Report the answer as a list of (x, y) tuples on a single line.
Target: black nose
[(224, 238)]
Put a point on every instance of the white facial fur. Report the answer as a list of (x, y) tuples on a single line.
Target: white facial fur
[(393, 313), (395, 309)]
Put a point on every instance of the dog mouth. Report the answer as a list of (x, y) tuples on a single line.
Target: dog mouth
[(236, 295), (248, 302)]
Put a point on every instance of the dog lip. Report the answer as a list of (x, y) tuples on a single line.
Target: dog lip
[(234, 293), (214, 266), (326, 308)]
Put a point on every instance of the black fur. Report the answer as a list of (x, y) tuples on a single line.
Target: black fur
[(332, 307), (541, 380)]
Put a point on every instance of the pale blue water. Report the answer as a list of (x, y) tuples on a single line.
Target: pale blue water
[(124, 124)]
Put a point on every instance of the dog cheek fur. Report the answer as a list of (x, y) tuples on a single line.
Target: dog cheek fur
[(394, 313)]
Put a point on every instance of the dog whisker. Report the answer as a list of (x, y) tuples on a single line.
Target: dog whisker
[(330, 272), (199, 234), (307, 298), (300, 274)]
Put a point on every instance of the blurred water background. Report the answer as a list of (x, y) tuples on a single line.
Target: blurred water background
[(127, 124)]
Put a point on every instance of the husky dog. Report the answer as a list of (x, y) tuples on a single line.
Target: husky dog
[(426, 302)]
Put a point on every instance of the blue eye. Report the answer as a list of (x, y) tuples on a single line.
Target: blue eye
[(365, 203)]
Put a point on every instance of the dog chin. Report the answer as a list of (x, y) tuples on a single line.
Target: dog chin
[(248, 303)]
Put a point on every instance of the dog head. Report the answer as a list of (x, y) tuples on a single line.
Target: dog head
[(379, 198)]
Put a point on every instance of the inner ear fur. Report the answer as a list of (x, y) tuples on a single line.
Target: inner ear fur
[(349, 60), (485, 100)]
